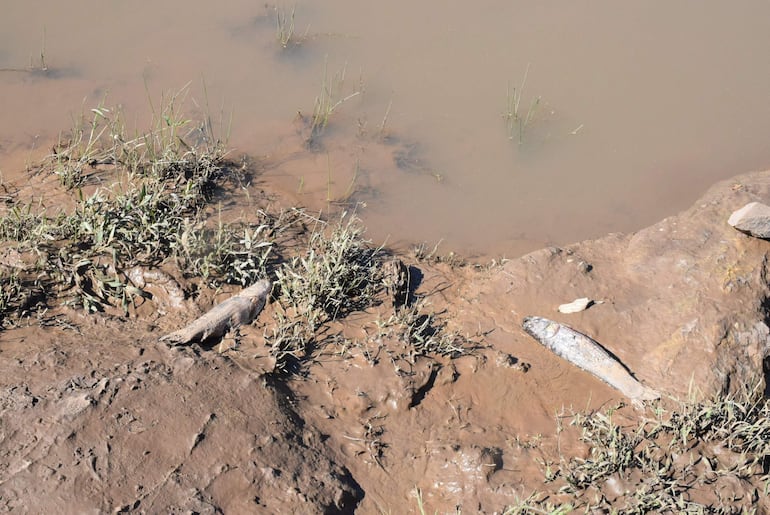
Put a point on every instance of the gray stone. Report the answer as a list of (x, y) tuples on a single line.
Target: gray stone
[(753, 218)]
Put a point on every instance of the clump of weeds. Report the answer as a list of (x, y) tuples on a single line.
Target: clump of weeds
[(337, 272), (423, 333), (234, 253), (19, 293), (421, 253), (285, 33), (153, 210), (710, 456), (182, 153), (329, 100), (86, 147)]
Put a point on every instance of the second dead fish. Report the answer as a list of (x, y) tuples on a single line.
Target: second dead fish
[(239, 309)]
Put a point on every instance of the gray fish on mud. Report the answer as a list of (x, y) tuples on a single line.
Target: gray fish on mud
[(586, 353)]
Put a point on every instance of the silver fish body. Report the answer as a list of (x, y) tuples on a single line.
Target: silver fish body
[(584, 352)]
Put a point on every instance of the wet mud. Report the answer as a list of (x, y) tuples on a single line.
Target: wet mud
[(98, 415)]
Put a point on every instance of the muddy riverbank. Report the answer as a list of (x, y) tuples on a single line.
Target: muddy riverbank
[(347, 401)]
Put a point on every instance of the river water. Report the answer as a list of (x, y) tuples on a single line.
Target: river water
[(627, 111)]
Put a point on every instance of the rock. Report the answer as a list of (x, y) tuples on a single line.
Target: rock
[(686, 299), (753, 219)]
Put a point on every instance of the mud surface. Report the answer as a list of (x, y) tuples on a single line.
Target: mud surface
[(125, 424), (97, 415)]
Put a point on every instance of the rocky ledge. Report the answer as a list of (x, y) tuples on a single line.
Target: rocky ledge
[(685, 300)]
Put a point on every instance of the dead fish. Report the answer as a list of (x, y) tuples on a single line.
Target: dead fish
[(229, 314), (587, 354)]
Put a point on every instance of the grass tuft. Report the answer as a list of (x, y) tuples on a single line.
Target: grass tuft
[(335, 274), (516, 120), (284, 31), (328, 101), (17, 295), (154, 210), (423, 332), (338, 272), (702, 457)]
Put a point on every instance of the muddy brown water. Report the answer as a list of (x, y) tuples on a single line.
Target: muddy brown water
[(642, 106)]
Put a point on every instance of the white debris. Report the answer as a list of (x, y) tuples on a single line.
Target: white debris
[(576, 305)]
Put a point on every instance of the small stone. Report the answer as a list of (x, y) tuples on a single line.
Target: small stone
[(753, 219), (584, 267), (576, 305)]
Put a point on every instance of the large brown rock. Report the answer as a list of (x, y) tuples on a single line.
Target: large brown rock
[(685, 299)]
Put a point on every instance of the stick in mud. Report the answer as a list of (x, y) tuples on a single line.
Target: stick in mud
[(587, 354), (239, 309)]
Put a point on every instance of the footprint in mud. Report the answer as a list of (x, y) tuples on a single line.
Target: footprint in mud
[(16, 398), (508, 361), (456, 471), (80, 395)]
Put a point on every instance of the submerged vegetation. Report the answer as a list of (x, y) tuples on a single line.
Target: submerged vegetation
[(517, 121), (331, 97), (37, 65), (284, 30)]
